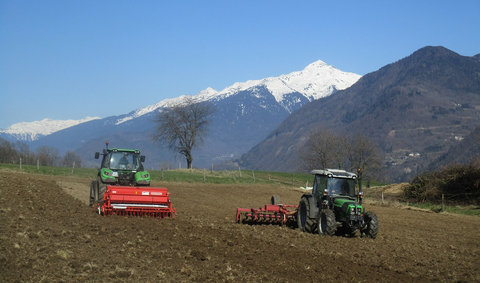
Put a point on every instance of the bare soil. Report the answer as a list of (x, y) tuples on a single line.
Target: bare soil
[(48, 233)]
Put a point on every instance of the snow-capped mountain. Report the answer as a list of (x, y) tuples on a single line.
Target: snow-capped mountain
[(416, 110), (317, 80), (245, 113), (30, 131)]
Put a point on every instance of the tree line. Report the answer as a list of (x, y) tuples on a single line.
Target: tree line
[(325, 149), (44, 156)]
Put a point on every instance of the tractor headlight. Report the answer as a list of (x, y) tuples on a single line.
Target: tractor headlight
[(145, 176)]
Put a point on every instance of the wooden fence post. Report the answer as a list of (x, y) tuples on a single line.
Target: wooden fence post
[(443, 202)]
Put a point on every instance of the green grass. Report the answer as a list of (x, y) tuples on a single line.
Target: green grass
[(459, 209), (48, 170), (187, 175), (182, 175), (231, 177)]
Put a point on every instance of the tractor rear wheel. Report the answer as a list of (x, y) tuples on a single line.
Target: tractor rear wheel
[(100, 192), (93, 193), (327, 225), (372, 225), (304, 221)]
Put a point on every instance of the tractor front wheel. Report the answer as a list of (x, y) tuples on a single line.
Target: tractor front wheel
[(327, 225), (371, 222)]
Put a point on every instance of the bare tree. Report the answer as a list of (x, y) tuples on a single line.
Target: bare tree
[(8, 154), (47, 156), (324, 149), (364, 154), (183, 126), (70, 158), (28, 157)]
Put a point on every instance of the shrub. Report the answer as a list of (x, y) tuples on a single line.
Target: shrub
[(459, 183)]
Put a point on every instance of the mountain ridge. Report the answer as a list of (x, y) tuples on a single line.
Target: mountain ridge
[(417, 104), (30, 131), (246, 112), (317, 69), (279, 87)]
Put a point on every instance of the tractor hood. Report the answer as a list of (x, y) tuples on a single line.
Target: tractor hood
[(346, 205)]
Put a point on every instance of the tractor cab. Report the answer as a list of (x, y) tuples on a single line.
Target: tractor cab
[(123, 159), (333, 183), (123, 167)]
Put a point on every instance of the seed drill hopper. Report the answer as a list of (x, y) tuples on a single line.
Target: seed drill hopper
[(123, 187)]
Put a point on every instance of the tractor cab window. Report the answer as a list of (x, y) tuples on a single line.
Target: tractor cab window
[(319, 185), (339, 186), (124, 161)]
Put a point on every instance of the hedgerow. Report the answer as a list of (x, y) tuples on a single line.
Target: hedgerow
[(457, 183)]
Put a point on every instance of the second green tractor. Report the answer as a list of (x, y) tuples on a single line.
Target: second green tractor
[(334, 207)]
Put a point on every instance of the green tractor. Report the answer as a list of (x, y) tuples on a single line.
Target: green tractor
[(334, 208), (119, 167)]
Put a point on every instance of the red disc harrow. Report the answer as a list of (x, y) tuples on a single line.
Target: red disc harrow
[(269, 214)]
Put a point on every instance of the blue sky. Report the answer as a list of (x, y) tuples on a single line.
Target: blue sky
[(71, 59)]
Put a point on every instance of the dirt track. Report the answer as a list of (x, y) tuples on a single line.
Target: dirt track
[(51, 234)]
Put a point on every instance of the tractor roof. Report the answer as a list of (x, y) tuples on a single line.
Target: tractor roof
[(337, 173), (124, 150)]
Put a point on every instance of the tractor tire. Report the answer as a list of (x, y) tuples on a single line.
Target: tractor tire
[(101, 187), (275, 200), (327, 225), (93, 193), (371, 230), (304, 222)]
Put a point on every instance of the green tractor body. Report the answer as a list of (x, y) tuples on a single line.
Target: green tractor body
[(123, 167), (334, 207)]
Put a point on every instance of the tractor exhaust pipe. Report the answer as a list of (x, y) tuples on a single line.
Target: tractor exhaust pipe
[(359, 179)]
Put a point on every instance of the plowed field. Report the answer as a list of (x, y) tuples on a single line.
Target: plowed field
[(48, 233)]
